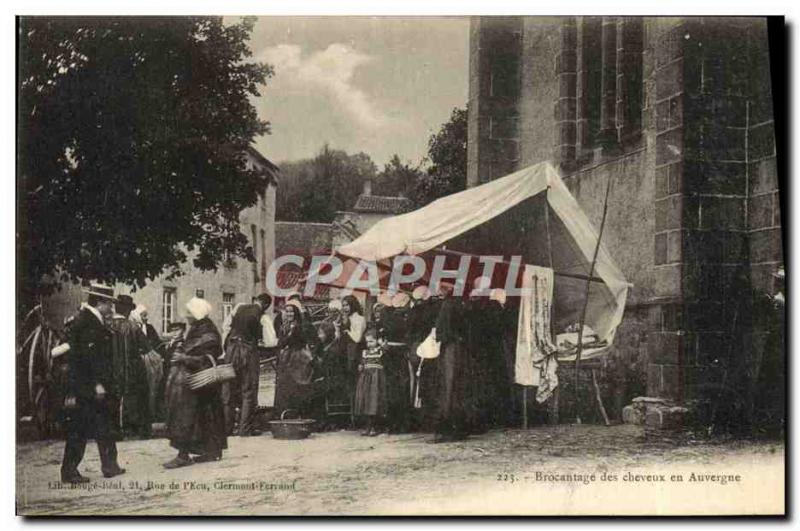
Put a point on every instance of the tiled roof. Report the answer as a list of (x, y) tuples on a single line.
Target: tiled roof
[(381, 204), (305, 239)]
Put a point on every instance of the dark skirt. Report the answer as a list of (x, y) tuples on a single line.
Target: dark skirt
[(457, 396), (136, 412), (371, 393), (398, 388), (195, 419), (339, 381), (294, 382)]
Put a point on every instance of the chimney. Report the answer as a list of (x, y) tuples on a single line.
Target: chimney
[(367, 187)]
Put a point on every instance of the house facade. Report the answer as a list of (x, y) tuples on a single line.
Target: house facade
[(235, 281), (366, 212), (677, 114)]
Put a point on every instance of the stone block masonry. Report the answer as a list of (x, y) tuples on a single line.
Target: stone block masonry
[(677, 112)]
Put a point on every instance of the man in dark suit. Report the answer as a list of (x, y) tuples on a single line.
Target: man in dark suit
[(90, 402), (250, 327)]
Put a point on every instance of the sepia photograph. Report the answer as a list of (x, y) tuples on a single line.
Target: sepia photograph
[(471, 265)]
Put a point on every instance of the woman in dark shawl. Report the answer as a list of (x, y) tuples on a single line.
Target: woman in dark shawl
[(195, 418), (489, 392), (295, 368), (421, 319), (391, 323), (333, 369), (455, 409)]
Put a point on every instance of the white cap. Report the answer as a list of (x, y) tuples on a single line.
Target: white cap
[(421, 293), (400, 300)]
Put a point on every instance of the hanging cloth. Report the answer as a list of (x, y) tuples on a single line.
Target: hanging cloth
[(536, 363)]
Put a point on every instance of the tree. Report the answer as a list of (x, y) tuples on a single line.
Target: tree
[(296, 177), (315, 189), (397, 178), (321, 186), (133, 133), (447, 153)]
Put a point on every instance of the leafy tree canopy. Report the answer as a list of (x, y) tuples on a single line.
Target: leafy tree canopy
[(133, 133), (315, 189), (447, 153), (398, 178)]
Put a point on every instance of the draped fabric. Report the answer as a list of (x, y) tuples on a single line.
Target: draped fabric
[(571, 237), (536, 353)]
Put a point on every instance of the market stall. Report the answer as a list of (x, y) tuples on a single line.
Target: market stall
[(528, 214)]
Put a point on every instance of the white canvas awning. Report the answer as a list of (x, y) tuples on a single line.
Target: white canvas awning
[(570, 239)]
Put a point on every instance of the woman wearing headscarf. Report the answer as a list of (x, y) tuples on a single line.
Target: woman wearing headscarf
[(152, 358), (397, 370), (295, 368), (140, 318), (489, 394), (195, 418), (454, 405), (421, 320), (330, 369)]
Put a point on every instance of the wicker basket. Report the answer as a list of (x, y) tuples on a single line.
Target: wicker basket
[(213, 375), (291, 429)]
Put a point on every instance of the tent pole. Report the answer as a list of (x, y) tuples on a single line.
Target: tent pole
[(547, 228), (554, 396), (579, 349), (524, 407)]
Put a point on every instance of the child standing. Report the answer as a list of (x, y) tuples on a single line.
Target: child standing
[(370, 401)]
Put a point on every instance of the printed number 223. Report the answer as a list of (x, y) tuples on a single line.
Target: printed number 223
[(506, 477)]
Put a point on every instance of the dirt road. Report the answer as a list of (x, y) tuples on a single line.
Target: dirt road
[(545, 470)]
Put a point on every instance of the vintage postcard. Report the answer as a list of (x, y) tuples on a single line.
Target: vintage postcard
[(376, 266)]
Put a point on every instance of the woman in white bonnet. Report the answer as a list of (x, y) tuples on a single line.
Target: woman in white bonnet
[(153, 361), (140, 317), (195, 419)]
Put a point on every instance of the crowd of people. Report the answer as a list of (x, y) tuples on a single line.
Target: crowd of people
[(342, 368)]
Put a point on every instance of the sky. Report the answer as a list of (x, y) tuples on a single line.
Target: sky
[(377, 85)]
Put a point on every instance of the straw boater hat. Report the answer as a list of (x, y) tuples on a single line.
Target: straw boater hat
[(100, 290)]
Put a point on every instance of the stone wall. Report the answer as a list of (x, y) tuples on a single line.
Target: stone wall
[(239, 278), (715, 239), (677, 114), (493, 145)]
